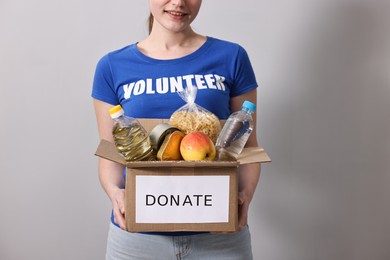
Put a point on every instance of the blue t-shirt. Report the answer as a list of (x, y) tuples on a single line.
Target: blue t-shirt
[(146, 87)]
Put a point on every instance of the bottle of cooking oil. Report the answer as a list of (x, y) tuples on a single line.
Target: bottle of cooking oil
[(130, 137), (235, 133)]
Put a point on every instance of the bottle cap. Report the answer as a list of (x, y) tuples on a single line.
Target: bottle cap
[(116, 111), (249, 105)]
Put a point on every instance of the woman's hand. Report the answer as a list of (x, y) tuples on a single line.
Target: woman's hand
[(243, 208), (248, 178), (118, 206)]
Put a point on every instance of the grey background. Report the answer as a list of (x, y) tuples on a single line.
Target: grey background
[(324, 74)]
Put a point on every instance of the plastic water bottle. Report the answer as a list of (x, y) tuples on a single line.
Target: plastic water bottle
[(235, 133), (131, 139)]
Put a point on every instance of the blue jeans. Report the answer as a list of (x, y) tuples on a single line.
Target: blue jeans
[(123, 245)]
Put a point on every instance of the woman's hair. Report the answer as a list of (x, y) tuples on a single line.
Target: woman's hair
[(150, 22)]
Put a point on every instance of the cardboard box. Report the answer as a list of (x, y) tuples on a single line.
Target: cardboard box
[(173, 196)]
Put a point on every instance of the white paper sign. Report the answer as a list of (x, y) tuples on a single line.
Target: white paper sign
[(182, 199)]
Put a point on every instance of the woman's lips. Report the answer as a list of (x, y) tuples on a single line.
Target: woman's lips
[(176, 14)]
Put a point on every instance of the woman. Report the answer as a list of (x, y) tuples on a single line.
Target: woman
[(144, 78)]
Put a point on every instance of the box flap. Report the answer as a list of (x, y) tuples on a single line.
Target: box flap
[(253, 155), (107, 150)]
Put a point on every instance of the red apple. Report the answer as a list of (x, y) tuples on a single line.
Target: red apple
[(197, 146)]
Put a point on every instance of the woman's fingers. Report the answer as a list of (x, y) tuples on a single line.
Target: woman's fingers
[(119, 209)]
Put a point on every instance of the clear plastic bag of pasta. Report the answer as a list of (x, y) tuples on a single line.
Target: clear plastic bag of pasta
[(192, 117)]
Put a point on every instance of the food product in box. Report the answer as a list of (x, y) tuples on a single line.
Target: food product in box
[(170, 148), (192, 117)]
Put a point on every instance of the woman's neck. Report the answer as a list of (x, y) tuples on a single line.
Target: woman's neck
[(170, 45)]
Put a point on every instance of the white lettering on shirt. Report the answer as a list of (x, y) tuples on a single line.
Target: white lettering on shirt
[(200, 82), (219, 82), (173, 84), (139, 87), (149, 87), (210, 79), (176, 84), (128, 88), (188, 80)]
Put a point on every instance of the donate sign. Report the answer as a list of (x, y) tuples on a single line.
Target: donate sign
[(182, 199)]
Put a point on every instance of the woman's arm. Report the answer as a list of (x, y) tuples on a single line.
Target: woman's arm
[(249, 174), (110, 173)]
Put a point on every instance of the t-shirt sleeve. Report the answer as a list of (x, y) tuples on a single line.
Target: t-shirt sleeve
[(244, 76), (103, 88)]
